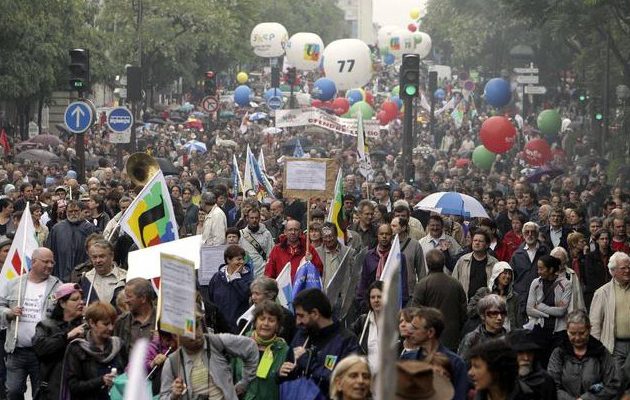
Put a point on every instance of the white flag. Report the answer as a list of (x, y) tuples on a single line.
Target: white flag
[(363, 152), (138, 388), (285, 286), (18, 259)]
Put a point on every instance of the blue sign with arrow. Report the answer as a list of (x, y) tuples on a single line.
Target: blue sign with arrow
[(78, 117), (120, 119)]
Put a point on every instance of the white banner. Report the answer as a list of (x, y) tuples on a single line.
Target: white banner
[(314, 116), (177, 287)]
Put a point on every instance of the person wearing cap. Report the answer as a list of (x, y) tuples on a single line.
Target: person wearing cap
[(67, 240), (417, 380), (26, 301), (535, 382), (52, 336), (381, 193), (10, 191)]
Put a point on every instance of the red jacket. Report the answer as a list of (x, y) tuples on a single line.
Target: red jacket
[(508, 246), (282, 253)]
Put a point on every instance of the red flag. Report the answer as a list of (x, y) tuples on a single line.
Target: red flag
[(4, 142)]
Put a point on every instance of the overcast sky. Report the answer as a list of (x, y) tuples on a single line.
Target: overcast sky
[(395, 12)]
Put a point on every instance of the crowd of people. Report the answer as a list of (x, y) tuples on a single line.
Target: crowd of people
[(526, 304)]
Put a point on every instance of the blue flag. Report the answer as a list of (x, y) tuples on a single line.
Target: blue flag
[(306, 277), (298, 151)]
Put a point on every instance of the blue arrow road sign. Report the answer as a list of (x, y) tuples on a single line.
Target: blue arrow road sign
[(120, 119), (78, 117)]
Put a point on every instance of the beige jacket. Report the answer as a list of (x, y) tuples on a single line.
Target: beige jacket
[(602, 315), (461, 272)]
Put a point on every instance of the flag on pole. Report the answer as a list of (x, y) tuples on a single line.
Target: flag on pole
[(298, 151), (363, 152), (260, 182), (244, 123), (4, 142), (248, 174), (138, 388), (335, 214), (237, 181), (448, 106), (306, 277), (18, 259), (261, 161), (393, 266), (424, 103), (150, 219), (285, 287)]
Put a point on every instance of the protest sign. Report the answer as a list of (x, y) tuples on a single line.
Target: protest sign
[(177, 286), (209, 261), (310, 177), (145, 263)]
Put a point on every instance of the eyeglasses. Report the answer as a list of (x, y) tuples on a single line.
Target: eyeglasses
[(51, 262), (495, 313)]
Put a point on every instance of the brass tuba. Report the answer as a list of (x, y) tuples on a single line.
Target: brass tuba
[(140, 168)]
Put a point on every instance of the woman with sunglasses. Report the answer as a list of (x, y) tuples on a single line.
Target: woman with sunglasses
[(493, 312), (52, 336)]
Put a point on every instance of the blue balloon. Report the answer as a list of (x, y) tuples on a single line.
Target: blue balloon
[(273, 92), (354, 95), (242, 95), (389, 59), (324, 89), (398, 101), (439, 94), (497, 92)]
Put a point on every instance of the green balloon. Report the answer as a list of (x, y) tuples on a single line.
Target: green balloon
[(549, 122), (396, 90), (364, 108), (482, 157)]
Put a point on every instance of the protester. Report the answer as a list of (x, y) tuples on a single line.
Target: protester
[(332, 252), (365, 327), (105, 279), (139, 320), (52, 336), (494, 370), (364, 227), (534, 381), (412, 250), (596, 273), (493, 311), (257, 241), (215, 223), (91, 364), (581, 366), (351, 379), (473, 270)]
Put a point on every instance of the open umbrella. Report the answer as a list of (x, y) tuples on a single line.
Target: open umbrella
[(272, 130), (167, 166), (194, 124), (452, 203), (195, 145), (538, 173), (158, 121), (42, 156), (47, 140), (257, 116)]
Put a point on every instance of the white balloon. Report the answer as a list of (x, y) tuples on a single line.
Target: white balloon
[(383, 35), (401, 42), (304, 50), (423, 44), (348, 63), (269, 39)]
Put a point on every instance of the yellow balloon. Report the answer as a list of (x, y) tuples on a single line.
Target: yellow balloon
[(242, 77), (414, 13)]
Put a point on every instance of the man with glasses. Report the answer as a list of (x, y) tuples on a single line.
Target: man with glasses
[(610, 320), (67, 241), (27, 300), (524, 262)]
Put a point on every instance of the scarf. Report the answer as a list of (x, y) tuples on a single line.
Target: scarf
[(112, 348), (382, 254), (266, 361)]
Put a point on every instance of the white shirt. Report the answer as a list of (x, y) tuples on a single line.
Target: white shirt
[(32, 308), (531, 252), (555, 235)]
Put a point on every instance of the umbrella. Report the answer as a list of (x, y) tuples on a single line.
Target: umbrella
[(257, 116), (452, 203), (186, 107), (194, 124), (158, 121), (197, 146), (167, 166), (62, 128), (536, 175), (176, 119), (199, 114), (226, 114), (47, 140), (42, 156), (272, 130)]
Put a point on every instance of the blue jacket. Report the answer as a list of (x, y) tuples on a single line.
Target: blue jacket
[(325, 350), (231, 298), (368, 275), (525, 271)]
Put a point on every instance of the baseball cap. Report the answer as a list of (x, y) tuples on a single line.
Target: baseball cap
[(66, 289)]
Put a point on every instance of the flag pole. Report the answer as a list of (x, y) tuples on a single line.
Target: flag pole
[(308, 227), (22, 259), (365, 325)]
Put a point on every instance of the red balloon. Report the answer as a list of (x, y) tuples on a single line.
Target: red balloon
[(340, 105), (369, 98), (382, 118), (390, 108), (537, 152), (316, 103), (412, 27), (497, 134)]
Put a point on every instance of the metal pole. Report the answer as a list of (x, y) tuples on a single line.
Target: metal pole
[(408, 168), (605, 98), (79, 147), (432, 121)]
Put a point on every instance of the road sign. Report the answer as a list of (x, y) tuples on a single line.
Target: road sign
[(527, 79), (210, 104), (120, 119), (529, 70), (275, 102), (33, 130), (535, 90), (78, 117)]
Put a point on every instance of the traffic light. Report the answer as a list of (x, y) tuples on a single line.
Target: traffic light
[(134, 83), (210, 84), (291, 76), (275, 77), (79, 69), (410, 75), (599, 116)]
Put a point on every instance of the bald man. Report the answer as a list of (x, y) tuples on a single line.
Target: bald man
[(28, 300)]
